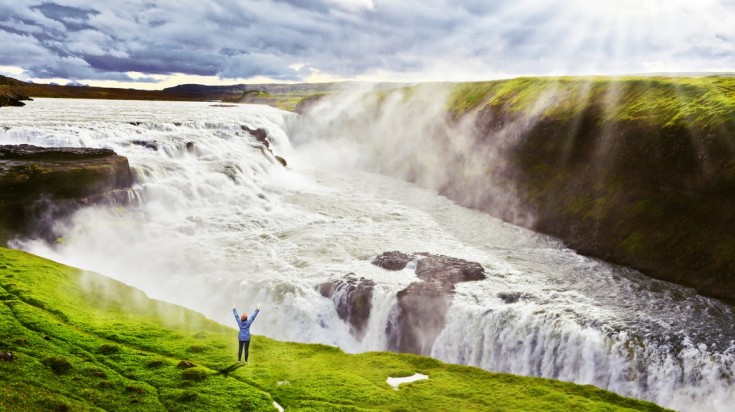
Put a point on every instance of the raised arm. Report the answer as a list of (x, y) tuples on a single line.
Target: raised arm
[(237, 317), (252, 318)]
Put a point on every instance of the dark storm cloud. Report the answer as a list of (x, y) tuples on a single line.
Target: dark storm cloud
[(290, 39), (71, 17)]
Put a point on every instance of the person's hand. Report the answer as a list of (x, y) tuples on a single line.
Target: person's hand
[(258, 307), (233, 306)]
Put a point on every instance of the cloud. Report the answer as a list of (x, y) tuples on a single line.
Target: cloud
[(430, 39)]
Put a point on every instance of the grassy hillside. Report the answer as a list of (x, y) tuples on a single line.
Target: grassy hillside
[(694, 102), (82, 341)]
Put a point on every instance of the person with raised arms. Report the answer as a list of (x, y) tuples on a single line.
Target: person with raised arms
[(244, 336)]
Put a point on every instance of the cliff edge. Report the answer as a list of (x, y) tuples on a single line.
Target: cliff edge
[(38, 185)]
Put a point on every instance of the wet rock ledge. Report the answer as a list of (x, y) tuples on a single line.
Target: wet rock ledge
[(420, 314), (39, 185)]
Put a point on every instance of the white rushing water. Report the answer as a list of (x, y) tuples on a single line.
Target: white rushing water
[(224, 222)]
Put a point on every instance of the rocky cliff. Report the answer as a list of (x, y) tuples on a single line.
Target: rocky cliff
[(11, 93), (39, 185), (638, 172)]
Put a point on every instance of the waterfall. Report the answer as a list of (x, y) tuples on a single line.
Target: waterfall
[(216, 220)]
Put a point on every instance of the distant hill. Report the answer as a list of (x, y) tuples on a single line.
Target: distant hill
[(278, 87), (20, 90), (10, 92), (284, 96)]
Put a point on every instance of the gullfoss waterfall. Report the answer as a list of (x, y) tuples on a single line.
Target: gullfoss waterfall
[(214, 218)]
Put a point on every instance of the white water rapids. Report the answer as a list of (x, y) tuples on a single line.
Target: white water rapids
[(225, 223)]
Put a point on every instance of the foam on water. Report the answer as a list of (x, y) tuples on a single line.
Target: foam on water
[(225, 223)]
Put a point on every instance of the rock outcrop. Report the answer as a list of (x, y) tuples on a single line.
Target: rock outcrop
[(11, 92), (420, 314), (422, 306), (12, 98), (352, 296), (261, 135), (39, 185)]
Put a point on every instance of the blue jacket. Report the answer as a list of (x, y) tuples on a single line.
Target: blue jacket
[(244, 326)]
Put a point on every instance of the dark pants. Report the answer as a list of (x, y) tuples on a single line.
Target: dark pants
[(246, 344)]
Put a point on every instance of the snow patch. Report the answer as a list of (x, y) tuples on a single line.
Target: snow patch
[(394, 382)]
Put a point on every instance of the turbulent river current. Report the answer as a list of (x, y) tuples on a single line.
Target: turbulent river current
[(222, 221)]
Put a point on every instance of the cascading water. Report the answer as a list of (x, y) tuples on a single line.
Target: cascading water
[(217, 220)]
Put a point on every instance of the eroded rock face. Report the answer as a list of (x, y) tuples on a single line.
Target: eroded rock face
[(420, 317), (352, 296), (423, 305), (420, 314), (39, 185), (10, 97), (259, 134)]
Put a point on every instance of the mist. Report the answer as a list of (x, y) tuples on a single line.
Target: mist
[(410, 134)]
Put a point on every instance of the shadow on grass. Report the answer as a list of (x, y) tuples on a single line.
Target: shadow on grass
[(226, 371)]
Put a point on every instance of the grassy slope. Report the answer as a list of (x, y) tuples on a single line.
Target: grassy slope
[(695, 102), (86, 342)]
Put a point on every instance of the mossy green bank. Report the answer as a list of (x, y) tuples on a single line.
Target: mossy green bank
[(81, 341), (664, 102)]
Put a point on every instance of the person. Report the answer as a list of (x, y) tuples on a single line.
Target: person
[(244, 336)]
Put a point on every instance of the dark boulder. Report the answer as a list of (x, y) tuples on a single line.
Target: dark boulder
[(39, 185), (259, 134), (392, 260), (421, 307), (352, 296), (448, 269), (421, 316)]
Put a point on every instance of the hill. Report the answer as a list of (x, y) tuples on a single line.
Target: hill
[(74, 340), (283, 96)]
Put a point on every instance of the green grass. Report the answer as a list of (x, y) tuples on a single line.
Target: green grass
[(703, 102), (85, 342)]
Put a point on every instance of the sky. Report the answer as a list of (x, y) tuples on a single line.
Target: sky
[(151, 44)]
